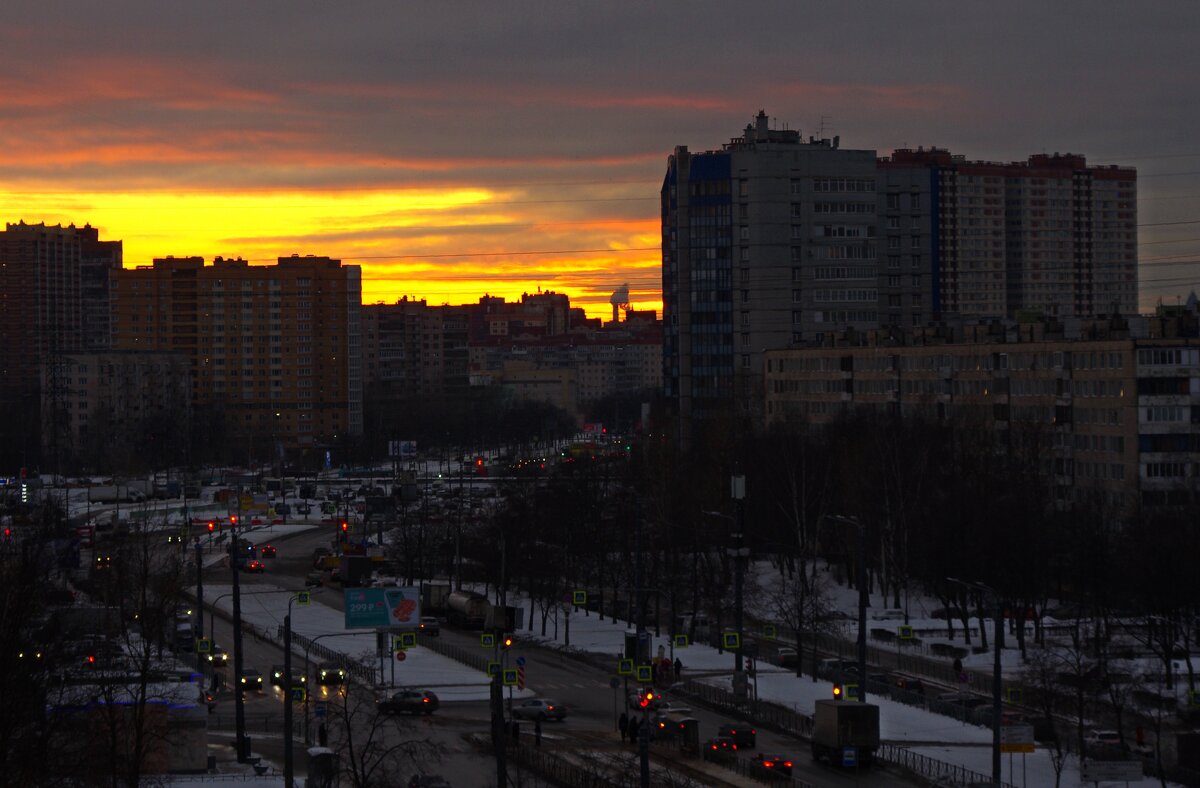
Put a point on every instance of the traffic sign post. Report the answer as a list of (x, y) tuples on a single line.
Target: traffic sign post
[(849, 757), (625, 667), (681, 641), (644, 674), (493, 668), (487, 640), (509, 677), (769, 631), (520, 678), (400, 655), (579, 598), (731, 640)]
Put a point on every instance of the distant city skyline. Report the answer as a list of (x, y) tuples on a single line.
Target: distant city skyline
[(466, 150)]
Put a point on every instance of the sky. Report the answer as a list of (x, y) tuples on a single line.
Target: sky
[(460, 148)]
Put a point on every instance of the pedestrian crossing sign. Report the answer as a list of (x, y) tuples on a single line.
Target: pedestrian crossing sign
[(769, 631), (732, 640), (625, 667), (298, 694), (644, 674), (681, 641), (303, 598), (203, 645), (493, 668), (509, 677), (905, 632), (487, 640), (579, 598)]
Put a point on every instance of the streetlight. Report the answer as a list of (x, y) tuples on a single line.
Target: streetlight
[(288, 766), (996, 673), (862, 599), (738, 552)]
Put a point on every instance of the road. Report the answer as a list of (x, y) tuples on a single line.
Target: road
[(582, 684)]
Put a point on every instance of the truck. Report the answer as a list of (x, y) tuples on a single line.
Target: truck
[(842, 727), (114, 493), (434, 596), (468, 609)]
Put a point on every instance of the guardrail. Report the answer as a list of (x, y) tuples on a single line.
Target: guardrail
[(933, 769), (254, 723), (472, 658)]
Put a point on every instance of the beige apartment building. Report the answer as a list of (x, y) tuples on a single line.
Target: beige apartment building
[(278, 347), (1121, 414)]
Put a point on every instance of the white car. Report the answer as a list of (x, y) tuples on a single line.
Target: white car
[(539, 709)]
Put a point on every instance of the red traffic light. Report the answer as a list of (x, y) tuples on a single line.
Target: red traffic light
[(478, 462), (345, 526), (233, 519), (91, 660), (211, 526)]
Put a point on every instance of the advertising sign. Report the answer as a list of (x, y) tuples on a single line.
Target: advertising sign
[(382, 607)]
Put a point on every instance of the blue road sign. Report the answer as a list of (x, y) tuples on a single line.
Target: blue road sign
[(320, 708), (849, 757), (520, 662)]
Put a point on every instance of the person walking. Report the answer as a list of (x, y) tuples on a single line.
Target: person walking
[(678, 668), (634, 725), (623, 725)]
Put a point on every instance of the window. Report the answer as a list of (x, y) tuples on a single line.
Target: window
[(893, 202)]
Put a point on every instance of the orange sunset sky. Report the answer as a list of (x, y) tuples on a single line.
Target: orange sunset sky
[(459, 149)]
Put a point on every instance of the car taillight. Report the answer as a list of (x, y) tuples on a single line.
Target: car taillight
[(767, 764), (424, 700), (550, 708), (787, 764)]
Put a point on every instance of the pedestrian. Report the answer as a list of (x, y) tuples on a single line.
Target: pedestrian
[(678, 668), (623, 725), (537, 733), (633, 730), (322, 735)]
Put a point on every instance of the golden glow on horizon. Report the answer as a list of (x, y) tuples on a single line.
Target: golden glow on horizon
[(443, 246)]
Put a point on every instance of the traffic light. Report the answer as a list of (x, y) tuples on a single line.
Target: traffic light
[(646, 698), (345, 526), (837, 691), (233, 520), (91, 660), (506, 642), (212, 526)]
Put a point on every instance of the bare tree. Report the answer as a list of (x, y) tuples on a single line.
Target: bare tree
[(376, 749)]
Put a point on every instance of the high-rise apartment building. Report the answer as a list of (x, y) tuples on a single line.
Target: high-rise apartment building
[(413, 349), (766, 243), (53, 296), (985, 240), (277, 347)]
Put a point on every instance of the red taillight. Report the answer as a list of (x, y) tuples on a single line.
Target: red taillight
[(787, 764), (424, 700), (714, 746), (549, 708), (768, 764)]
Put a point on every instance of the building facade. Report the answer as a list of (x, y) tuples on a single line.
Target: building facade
[(1119, 414), (767, 243), (278, 347), (413, 349), (986, 240)]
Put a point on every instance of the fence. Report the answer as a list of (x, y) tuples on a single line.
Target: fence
[(472, 658), (931, 768), (255, 723)]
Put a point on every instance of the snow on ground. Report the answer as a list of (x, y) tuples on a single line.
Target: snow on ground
[(422, 667)]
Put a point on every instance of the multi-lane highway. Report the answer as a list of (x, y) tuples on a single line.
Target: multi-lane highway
[(582, 684)]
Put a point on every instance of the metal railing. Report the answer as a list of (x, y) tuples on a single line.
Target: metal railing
[(931, 768), (255, 723)]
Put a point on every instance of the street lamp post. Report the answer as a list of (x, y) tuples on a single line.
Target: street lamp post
[(288, 758), (239, 707), (861, 547), (738, 552), (996, 671)]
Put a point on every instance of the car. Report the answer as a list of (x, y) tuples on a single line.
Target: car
[(1103, 741), (666, 707), (217, 655), (771, 766), (255, 566), (786, 657), (298, 678), (267, 551), (314, 579), (250, 679), (303, 508), (409, 701), (720, 749), (329, 674), (429, 626), (539, 709), (743, 736)]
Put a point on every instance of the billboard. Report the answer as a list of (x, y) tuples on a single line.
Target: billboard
[(383, 607)]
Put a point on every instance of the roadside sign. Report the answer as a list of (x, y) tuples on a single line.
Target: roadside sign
[(769, 631), (681, 641), (1110, 771), (509, 677), (520, 678), (320, 708), (1016, 738), (732, 640), (303, 598), (298, 694), (850, 691), (1013, 694), (487, 640), (644, 674), (579, 598), (493, 668), (408, 640), (203, 645), (625, 667), (520, 662), (401, 656), (849, 757), (904, 632)]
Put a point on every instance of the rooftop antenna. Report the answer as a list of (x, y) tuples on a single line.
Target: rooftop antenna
[(821, 126)]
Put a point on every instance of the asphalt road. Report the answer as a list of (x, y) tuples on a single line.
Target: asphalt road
[(582, 684)]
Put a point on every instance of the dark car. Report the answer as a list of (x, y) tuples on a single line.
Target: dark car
[(771, 766), (744, 736), (298, 677), (410, 702), (429, 626), (720, 749), (250, 679), (331, 674), (267, 551), (255, 566)]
